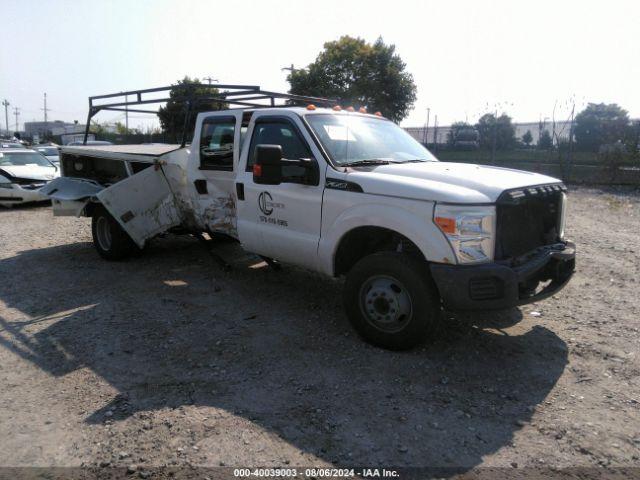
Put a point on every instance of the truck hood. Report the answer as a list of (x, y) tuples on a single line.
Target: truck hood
[(30, 172), (444, 181)]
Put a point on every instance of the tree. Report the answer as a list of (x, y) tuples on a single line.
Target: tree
[(499, 130), (527, 138), (545, 142), (359, 74), (600, 124), (172, 116), (452, 134)]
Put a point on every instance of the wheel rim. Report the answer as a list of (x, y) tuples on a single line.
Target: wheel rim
[(103, 232), (385, 303)]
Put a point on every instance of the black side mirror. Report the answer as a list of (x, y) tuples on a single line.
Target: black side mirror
[(268, 167)]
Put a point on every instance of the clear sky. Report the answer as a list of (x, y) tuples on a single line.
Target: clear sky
[(467, 57)]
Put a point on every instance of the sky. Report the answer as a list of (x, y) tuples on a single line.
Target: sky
[(467, 57)]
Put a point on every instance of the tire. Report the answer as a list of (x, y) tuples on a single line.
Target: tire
[(109, 239), (391, 300)]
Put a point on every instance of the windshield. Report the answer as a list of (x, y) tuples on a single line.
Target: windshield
[(354, 138), (48, 151), (19, 159)]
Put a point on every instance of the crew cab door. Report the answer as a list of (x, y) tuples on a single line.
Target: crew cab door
[(143, 204), (281, 221), (212, 168)]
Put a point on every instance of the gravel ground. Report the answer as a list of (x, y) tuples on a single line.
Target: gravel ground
[(167, 360)]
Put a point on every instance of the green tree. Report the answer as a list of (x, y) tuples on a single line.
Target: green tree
[(359, 74), (172, 115), (527, 138), (545, 142), (600, 124), (496, 129)]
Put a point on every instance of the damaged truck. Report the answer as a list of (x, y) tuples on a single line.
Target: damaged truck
[(346, 193)]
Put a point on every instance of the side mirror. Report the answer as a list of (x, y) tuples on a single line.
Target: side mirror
[(268, 167)]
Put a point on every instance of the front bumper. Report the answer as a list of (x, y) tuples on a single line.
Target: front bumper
[(18, 194), (506, 284)]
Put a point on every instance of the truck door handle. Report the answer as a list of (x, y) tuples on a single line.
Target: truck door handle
[(240, 190)]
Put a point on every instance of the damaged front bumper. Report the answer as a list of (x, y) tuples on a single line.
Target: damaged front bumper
[(531, 278), (14, 193)]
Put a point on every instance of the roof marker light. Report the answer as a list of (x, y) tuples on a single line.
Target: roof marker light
[(337, 108), (311, 106), (362, 110), (350, 109), (378, 114)]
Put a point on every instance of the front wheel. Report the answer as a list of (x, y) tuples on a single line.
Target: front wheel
[(391, 301), (109, 239)]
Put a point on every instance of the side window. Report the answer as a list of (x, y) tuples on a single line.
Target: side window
[(216, 143), (278, 132)]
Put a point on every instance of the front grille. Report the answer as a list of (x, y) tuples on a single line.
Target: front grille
[(33, 186), (527, 218)]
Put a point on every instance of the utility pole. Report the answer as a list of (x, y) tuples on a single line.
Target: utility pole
[(495, 137), (126, 116), (209, 79), (435, 134), (570, 153), (46, 125), (16, 112), (291, 68), (6, 104), (426, 128)]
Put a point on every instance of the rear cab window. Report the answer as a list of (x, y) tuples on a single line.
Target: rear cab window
[(217, 143)]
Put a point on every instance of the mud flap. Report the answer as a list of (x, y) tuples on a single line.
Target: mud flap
[(142, 204)]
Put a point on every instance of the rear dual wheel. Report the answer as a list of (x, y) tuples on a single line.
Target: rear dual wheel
[(109, 239), (391, 300)]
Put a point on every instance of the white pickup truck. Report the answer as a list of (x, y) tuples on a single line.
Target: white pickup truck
[(340, 192)]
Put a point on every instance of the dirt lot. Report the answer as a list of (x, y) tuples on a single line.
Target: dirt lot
[(166, 359)]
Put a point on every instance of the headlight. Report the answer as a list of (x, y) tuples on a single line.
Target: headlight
[(5, 182), (469, 229), (563, 209)]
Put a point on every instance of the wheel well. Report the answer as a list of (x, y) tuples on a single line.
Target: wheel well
[(90, 207), (363, 241)]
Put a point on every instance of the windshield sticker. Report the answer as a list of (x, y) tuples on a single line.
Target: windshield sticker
[(339, 132)]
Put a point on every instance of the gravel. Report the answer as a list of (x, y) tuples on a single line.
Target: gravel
[(167, 360)]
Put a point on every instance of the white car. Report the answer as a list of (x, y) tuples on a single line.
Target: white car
[(22, 174), (49, 151)]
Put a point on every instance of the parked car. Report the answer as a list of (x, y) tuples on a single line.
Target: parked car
[(4, 144), (49, 151), (23, 173), (91, 142)]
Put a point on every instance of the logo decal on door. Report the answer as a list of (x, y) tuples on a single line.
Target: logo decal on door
[(267, 205), (264, 203)]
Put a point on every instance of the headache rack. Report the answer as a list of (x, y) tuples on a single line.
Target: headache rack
[(241, 95)]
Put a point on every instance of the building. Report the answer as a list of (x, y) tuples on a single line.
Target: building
[(439, 135), (57, 127)]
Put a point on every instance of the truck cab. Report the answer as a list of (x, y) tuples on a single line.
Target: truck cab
[(343, 193)]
